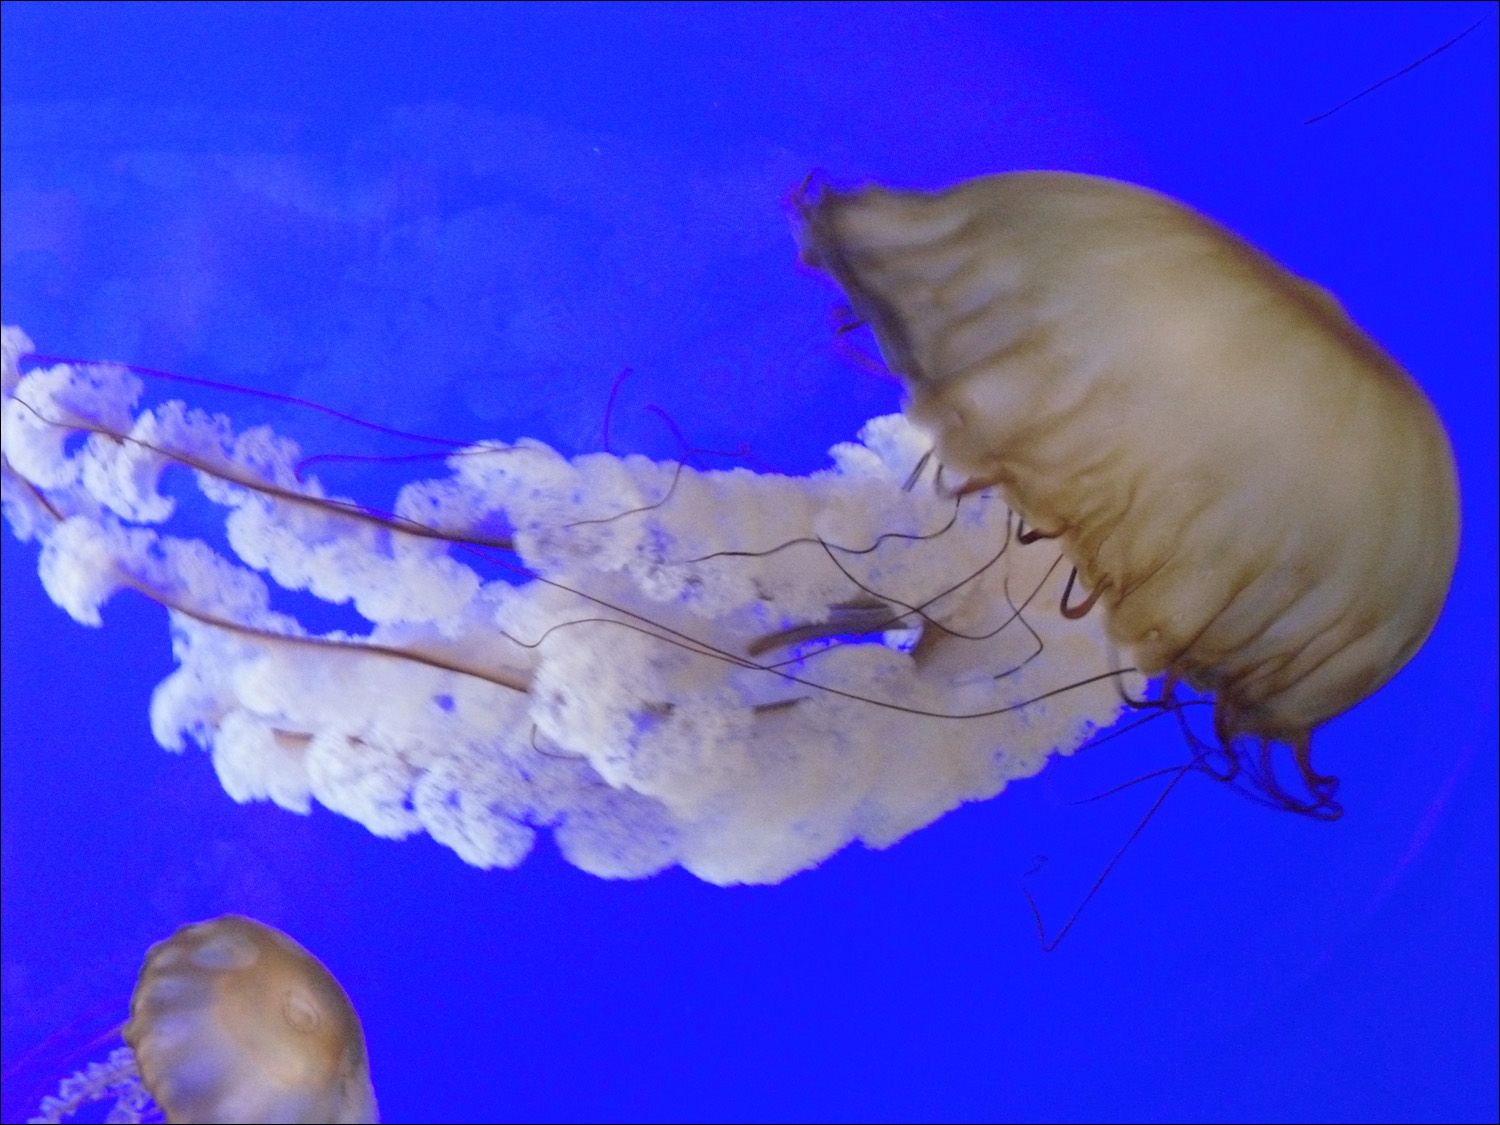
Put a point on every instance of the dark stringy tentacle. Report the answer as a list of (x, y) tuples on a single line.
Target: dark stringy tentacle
[(1245, 766), (1026, 538), (916, 473), (1144, 703), (1321, 786), (1075, 612), (1252, 771), (1036, 914)]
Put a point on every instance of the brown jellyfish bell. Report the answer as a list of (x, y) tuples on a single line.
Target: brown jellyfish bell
[(1263, 503), (233, 1021), (230, 1021)]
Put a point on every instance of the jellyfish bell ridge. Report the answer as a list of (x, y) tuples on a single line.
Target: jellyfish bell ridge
[(1264, 501)]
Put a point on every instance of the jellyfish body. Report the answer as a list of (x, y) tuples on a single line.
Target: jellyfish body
[(1262, 500), (233, 1021)]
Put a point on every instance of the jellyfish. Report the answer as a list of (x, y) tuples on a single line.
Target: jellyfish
[(233, 1021), (1263, 503), (742, 673)]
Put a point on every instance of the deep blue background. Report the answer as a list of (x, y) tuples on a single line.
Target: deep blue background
[(468, 219)]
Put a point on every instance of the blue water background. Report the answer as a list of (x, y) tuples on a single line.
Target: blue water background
[(469, 219)]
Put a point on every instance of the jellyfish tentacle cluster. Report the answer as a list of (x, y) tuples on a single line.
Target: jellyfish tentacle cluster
[(116, 1080), (737, 672)]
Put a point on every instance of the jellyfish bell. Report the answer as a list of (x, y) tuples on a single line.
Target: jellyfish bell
[(1262, 501), (231, 1021)]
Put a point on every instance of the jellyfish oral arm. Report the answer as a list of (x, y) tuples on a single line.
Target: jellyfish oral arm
[(740, 673)]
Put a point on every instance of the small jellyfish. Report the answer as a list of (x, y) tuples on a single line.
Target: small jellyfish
[(1262, 501), (233, 1021)]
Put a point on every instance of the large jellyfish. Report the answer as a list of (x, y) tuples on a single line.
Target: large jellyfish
[(742, 673), (232, 1021)]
